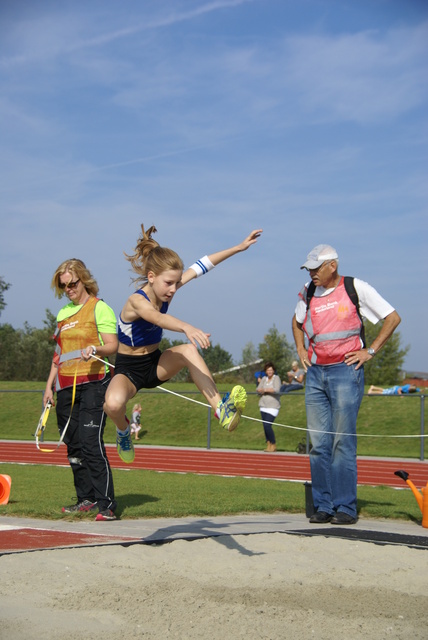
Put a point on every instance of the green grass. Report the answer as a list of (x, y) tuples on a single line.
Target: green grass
[(169, 420), (174, 421), (41, 491)]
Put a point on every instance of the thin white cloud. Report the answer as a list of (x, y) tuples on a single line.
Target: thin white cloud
[(51, 36), (172, 18), (364, 77)]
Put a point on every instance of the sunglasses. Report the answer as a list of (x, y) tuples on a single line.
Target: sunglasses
[(69, 285), (320, 267)]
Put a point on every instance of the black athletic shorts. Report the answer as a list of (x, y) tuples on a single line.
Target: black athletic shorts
[(140, 370)]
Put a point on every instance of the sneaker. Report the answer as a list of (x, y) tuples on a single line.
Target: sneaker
[(125, 448), (84, 505), (105, 515), (231, 407)]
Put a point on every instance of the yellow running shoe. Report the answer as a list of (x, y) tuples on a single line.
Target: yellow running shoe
[(231, 407), (125, 448)]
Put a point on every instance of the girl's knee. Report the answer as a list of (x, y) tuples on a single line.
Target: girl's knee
[(187, 352), (191, 351), (113, 404)]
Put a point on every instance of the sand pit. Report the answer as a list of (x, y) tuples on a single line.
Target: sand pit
[(260, 586)]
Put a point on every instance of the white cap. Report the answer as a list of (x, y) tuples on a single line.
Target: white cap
[(319, 254)]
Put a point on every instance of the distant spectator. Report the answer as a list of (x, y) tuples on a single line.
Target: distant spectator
[(136, 419), (393, 391), (295, 379), (269, 403), (259, 375)]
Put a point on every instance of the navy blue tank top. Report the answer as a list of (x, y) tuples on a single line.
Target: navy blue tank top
[(140, 333)]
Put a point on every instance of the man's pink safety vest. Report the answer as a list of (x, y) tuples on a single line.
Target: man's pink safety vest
[(332, 326)]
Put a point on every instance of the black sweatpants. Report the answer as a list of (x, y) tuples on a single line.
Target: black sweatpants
[(85, 445)]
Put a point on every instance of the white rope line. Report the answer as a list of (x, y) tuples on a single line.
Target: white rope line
[(109, 364), (285, 426), (203, 404), (359, 435), (288, 426)]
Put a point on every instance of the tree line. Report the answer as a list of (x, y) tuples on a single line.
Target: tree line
[(26, 354)]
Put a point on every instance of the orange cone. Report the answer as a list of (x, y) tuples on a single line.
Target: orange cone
[(5, 484)]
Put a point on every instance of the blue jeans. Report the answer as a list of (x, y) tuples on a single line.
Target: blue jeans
[(333, 398), (268, 419), (294, 386)]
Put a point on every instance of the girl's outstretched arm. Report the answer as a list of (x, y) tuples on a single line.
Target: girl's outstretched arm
[(207, 263), (137, 305)]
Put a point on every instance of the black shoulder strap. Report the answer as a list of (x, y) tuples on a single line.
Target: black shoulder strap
[(350, 290), (348, 281), (310, 293)]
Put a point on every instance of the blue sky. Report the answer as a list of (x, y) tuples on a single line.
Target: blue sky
[(307, 118)]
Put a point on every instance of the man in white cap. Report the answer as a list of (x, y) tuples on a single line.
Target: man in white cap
[(330, 313)]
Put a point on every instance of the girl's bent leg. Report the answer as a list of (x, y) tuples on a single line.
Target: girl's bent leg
[(177, 358), (229, 410), (119, 391)]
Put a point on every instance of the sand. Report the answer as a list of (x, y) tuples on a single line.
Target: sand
[(264, 586)]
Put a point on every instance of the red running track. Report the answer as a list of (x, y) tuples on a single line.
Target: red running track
[(255, 464), (26, 539)]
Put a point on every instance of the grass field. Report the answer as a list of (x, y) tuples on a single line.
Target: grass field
[(169, 420), (40, 491)]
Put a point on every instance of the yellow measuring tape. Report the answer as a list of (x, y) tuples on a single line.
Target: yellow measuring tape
[(44, 418)]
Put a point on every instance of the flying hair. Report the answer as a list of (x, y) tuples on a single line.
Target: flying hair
[(150, 256)]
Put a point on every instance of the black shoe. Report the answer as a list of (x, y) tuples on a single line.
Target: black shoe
[(320, 517), (343, 518), (84, 505)]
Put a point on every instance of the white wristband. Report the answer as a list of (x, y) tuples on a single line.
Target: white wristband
[(202, 266)]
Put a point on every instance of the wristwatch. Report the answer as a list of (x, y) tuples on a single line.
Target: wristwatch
[(371, 351)]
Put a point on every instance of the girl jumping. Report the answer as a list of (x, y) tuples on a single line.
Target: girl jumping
[(139, 362)]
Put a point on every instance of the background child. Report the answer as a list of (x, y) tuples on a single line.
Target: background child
[(136, 419)]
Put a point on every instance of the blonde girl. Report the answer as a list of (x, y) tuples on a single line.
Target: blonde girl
[(139, 362)]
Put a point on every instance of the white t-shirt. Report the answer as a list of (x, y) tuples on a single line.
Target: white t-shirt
[(372, 306)]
